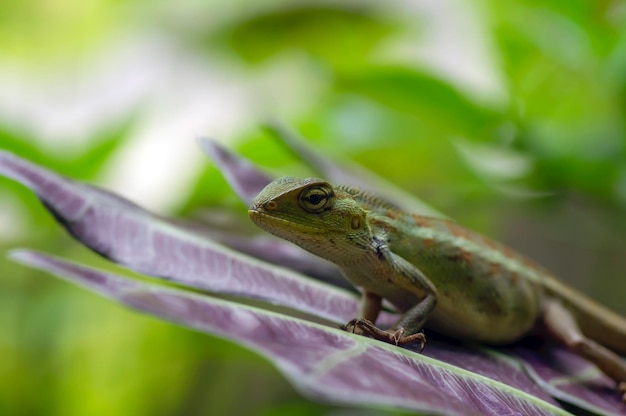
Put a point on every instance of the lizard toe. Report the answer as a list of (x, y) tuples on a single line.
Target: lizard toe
[(413, 338), (391, 336), (359, 326)]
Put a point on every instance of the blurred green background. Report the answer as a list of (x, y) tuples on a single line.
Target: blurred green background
[(508, 116)]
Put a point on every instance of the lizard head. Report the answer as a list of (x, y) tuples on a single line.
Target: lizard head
[(313, 214)]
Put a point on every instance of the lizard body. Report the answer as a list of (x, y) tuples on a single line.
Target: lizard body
[(436, 273)]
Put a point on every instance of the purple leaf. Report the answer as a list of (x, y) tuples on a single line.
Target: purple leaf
[(247, 181), (486, 362), (324, 363), (571, 379), (132, 237), (245, 178)]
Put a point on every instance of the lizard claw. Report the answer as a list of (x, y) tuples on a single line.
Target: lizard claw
[(621, 387), (358, 326), (396, 337)]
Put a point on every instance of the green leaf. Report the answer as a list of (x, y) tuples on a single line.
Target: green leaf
[(337, 35)]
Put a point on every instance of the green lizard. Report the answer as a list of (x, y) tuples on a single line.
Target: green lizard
[(436, 273)]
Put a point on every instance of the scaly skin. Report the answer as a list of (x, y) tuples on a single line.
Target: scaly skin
[(436, 273)]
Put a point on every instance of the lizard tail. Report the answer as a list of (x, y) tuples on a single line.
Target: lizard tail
[(596, 322)]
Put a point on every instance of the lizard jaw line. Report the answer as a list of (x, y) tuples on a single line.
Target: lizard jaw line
[(260, 217)]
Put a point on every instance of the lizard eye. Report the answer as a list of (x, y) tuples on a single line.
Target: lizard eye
[(316, 198)]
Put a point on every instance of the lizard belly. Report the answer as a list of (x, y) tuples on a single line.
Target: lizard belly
[(485, 291), (475, 304), (466, 322)]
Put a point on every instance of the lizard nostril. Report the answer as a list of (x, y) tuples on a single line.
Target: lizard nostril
[(271, 205)]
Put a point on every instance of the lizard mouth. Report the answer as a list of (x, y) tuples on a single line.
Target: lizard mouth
[(280, 226)]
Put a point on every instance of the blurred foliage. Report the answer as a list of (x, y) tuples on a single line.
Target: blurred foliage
[(355, 32), (540, 164)]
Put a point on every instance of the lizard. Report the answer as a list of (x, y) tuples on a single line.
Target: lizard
[(437, 274)]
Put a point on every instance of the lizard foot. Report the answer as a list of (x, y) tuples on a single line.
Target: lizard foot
[(396, 336), (621, 386)]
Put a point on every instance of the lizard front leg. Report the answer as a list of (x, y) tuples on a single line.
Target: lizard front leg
[(561, 325), (370, 306), (410, 281), (406, 330)]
